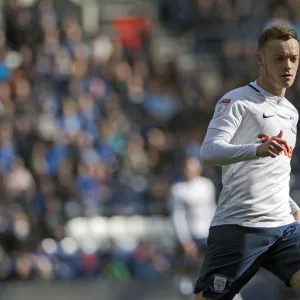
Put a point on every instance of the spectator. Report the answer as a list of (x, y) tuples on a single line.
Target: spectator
[(98, 126)]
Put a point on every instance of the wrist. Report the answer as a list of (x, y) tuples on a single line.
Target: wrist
[(297, 215), (257, 151)]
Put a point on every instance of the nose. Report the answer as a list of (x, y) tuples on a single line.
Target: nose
[(288, 65)]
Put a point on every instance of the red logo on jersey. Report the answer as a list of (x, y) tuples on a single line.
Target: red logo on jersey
[(226, 101), (264, 138)]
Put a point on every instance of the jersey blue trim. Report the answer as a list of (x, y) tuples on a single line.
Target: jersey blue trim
[(253, 87)]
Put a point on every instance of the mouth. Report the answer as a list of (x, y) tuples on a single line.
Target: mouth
[(287, 76)]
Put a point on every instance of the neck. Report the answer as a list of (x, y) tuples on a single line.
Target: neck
[(191, 178), (267, 86)]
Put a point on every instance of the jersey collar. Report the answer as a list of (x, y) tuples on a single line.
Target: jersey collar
[(266, 94)]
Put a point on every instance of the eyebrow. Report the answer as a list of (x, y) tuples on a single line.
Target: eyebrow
[(287, 55)]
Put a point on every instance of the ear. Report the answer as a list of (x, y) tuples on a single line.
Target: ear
[(259, 58)]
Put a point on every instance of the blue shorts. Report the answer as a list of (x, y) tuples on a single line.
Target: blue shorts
[(235, 253)]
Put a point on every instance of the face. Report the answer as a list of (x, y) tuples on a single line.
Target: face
[(279, 62), (192, 168)]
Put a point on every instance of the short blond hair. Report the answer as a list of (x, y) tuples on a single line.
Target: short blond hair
[(276, 32)]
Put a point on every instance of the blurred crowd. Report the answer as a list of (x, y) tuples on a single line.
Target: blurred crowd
[(97, 125)]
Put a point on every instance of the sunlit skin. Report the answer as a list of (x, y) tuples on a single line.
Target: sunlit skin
[(278, 62), (192, 168)]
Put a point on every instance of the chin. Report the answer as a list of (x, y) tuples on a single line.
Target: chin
[(287, 84)]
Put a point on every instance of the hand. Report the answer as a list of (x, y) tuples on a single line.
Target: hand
[(297, 215), (273, 147), (190, 249)]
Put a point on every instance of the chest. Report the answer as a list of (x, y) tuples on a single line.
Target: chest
[(194, 195), (269, 119)]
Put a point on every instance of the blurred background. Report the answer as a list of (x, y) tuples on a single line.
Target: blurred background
[(103, 108)]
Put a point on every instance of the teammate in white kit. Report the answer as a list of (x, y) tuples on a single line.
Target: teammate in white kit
[(193, 204), (252, 135)]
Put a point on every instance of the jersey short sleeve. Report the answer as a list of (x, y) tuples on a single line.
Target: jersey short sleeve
[(228, 115)]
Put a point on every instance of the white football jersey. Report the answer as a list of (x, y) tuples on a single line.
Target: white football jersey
[(255, 192), (193, 205)]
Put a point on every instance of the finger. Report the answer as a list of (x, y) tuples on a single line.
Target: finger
[(272, 154), (280, 135), (276, 146), (273, 149), (282, 142)]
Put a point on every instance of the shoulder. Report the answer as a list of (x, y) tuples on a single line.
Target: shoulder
[(241, 95), (237, 93), (206, 181), (234, 102), (292, 109), (177, 187)]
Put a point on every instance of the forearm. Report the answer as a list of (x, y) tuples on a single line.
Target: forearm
[(219, 152), (181, 226)]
